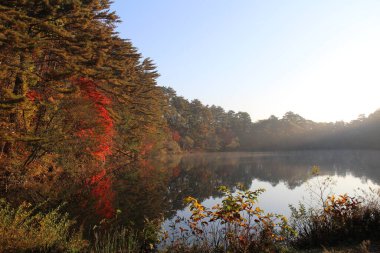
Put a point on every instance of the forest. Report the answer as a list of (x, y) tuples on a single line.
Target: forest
[(74, 93), (78, 103), (211, 128)]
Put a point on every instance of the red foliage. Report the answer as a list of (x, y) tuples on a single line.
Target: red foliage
[(176, 171), (146, 168), (105, 142), (103, 193), (146, 148), (97, 177), (33, 95), (101, 185), (176, 137)]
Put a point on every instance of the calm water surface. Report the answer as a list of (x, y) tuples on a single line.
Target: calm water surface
[(161, 187)]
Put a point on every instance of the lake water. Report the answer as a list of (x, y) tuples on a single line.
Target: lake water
[(286, 176), (159, 187)]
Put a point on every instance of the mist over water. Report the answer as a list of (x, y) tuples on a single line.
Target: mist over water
[(285, 176)]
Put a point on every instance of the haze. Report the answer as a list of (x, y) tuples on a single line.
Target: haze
[(319, 59)]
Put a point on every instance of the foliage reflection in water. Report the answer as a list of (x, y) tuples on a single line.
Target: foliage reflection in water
[(161, 187)]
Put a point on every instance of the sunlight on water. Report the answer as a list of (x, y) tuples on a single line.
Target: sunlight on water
[(277, 198), (286, 177)]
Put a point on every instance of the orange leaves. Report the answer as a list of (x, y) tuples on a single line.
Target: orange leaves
[(33, 95), (176, 171), (341, 206), (146, 147), (175, 136)]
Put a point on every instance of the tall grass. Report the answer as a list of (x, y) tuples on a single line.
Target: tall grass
[(26, 229), (126, 239), (119, 240)]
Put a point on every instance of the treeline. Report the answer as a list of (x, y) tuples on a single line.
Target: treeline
[(201, 127), (78, 99), (294, 132)]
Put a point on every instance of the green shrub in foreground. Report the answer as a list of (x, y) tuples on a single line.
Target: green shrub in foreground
[(24, 229)]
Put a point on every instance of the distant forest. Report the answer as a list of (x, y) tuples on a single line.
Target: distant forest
[(201, 127), (77, 98)]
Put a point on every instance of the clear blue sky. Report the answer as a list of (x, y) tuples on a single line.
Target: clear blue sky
[(320, 59)]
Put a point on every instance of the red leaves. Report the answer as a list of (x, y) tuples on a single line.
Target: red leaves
[(33, 95), (105, 141), (105, 122), (101, 184), (176, 171), (103, 193), (146, 148), (88, 88), (175, 136), (97, 177)]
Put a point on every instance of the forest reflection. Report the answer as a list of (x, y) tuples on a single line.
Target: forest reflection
[(156, 188)]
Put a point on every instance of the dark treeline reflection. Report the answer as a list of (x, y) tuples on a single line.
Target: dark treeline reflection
[(154, 189), (160, 187)]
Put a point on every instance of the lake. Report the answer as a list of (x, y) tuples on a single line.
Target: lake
[(156, 187)]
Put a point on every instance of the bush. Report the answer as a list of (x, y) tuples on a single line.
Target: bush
[(343, 219), (25, 229), (235, 225)]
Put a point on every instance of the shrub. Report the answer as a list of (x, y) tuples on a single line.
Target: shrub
[(26, 229), (343, 219), (235, 225)]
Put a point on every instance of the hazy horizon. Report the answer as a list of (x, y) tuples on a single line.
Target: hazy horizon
[(317, 59)]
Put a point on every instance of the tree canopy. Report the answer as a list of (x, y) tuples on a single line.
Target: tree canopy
[(78, 102)]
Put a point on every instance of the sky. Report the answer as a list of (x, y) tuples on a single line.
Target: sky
[(320, 59)]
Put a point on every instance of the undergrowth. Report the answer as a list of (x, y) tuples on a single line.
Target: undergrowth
[(24, 229)]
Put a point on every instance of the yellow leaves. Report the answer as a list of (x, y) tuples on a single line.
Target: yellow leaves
[(315, 170), (189, 199), (194, 204), (239, 219)]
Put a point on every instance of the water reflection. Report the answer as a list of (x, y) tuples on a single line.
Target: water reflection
[(156, 188)]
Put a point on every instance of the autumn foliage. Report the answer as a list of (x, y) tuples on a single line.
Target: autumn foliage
[(176, 137), (103, 194), (33, 95), (235, 225), (104, 138), (343, 219), (100, 183)]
